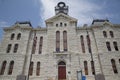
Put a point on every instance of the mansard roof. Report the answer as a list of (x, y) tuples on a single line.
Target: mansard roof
[(58, 16), (24, 25)]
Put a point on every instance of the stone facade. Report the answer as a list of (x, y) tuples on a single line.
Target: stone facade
[(49, 58)]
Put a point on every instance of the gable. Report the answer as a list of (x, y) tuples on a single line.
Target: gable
[(61, 16)]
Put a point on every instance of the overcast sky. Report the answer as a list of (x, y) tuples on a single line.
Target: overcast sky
[(37, 11)]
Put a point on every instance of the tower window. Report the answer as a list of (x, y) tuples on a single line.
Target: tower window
[(12, 36), (111, 34), (119, 60), (65, 24), (8, 48), (57, 41), (40, 45), (88, 43), (82, 43), (115, 46), (61, 24), (3, 67), (34, 44), (56, 25), (19, 36), (11, 67), (114, 66), (108, 46), (15, 48), (65, 40), (104, 34)]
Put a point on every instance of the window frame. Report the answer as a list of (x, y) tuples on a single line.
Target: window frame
[(105, 34), (12, 36)]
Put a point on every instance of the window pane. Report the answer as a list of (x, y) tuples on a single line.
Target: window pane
[(93, 67), (19, 36), (12, 36), (108, 46), (3, 68), (82, 44), (115, 46), (8, 48), (114, 66), (89, 43), (57, 41), (11, 67), (38, 69), (40, 45), (31, 68), (111, 34), (104, 34), (86, 67), (15, 48), (34, 44), (65, 40)]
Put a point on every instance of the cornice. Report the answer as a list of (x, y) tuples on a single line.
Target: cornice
[(84, 28), (39, 29)]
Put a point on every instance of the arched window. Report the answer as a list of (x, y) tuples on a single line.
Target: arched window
[(115, 45), (19, 36), (86, 67), (61, 24), (3, 67), (34, 44), (119, 60), (11, 68), (12, 36), (56, 25), (15, 48), (65, 40), (40, 45), (88, 43), (38, 69), (104, 33), (8, 48), (57, 41), (111, 34), (65, 24), (93, 67), (82, 43), (108, 46), (114, 66), (31, 68)]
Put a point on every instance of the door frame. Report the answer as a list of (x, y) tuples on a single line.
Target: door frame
[(62, 64)]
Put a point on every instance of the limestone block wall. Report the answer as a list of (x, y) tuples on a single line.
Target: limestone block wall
[(18, 57), (105, 55)]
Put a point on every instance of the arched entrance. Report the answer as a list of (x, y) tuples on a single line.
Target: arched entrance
[(61, 70)]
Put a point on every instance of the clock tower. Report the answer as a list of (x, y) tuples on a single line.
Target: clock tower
[(61, 8)]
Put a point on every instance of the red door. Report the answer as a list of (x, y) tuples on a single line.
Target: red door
[(61, 72)]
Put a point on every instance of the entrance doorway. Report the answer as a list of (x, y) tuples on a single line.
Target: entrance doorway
[(61, 71)]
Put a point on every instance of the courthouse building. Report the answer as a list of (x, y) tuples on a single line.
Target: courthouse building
[(61, 50)]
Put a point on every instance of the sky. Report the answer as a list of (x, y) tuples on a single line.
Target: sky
[(37, 11)]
